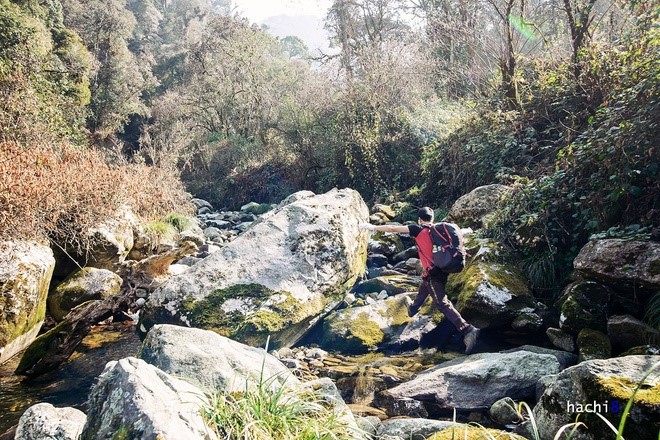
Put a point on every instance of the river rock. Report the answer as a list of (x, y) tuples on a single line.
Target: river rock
[(584, 305), (632, 265), (608, 383), (561, 339), (84, 285), (256, 208), (113, 240), (274, 280), (593, 344), (564, 358), (211, 361), (45, 422), (626, 332), (477, 381), (392, 284), (26, 269), (383, 324), (473, 208), (386, 210), (504, 412), (386, 244), (200, 203), (490, 295), (133, 399), (410, 429)]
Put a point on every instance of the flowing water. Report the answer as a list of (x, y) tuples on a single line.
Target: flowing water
[(69, 385)]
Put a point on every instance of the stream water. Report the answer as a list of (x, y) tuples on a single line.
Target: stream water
[(69, 384)]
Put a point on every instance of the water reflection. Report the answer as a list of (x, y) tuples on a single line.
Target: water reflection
[(70, 384)]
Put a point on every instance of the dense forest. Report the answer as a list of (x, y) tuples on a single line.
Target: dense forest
[(419, 101)]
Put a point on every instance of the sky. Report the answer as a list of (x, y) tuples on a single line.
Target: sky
[(258, 10)]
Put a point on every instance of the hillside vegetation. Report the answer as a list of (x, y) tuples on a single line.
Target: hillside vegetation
[(132, 101)]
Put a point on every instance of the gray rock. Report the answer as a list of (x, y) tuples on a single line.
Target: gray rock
[(212, 233), (189, 260), (560, 339), (45, 422), (199, 203), (26, 269), (369, 425), (608, 383), (473, 208), (564, 358), (254, 288), (376, 260), (623, 264), (504, 412), (210, 361), (133, 399), (411, 429), (386, 210), (477, 381), (219, 224), (83, 285), (543, 384), (405, 255), (626, 332)]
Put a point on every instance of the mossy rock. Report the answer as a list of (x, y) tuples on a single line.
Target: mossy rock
[(584, 305), (391, 241), (370, 327), (490, 294), (593, 344), (470, 432), (392, 284), (248, 313), (84, 285)]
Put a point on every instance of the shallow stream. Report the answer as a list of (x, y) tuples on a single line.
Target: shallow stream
[(68, 385)]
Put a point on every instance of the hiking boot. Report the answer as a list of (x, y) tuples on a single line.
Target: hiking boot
[(470, 340)]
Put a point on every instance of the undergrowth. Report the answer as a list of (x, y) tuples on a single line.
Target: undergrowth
[(60, 192)]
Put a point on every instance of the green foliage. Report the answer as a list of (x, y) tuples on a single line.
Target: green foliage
[(179, 221), (267, 413), (652, 314), (43, 74)]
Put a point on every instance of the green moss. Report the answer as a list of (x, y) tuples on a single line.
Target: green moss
[(462, 286), (397, 313), (123, 433), (352, 335), (30, 317), (593, 344), (391, 240), (208, 313), (621, 388)]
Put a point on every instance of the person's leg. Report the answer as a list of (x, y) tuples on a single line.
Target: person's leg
[(422, 294), (439, 295)]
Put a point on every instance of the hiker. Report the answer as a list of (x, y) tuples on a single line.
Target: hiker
[(433, 278)]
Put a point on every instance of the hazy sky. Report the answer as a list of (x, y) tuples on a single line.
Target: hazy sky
[(258, 10)]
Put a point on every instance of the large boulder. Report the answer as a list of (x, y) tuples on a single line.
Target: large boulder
[(384, 324), (474, 382), (133, 399), (26, 269), (490, 294), (584, 305), (211, 361), (275, 279), (84, 285), (604, 387), (472, 209), (631, 265), (43, 421)]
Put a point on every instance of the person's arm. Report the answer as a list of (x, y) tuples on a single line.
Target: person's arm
[(386, 228)]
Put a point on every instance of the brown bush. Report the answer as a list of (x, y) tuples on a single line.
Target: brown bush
[(60, 192)]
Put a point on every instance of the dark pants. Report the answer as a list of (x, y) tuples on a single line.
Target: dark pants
[(434, 284)]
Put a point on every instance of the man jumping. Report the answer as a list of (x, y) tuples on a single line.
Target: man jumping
[(433, 279)]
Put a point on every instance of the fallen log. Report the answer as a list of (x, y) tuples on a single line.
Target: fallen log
[(54, 347)]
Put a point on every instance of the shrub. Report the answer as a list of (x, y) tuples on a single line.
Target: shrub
[(60, 192)]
